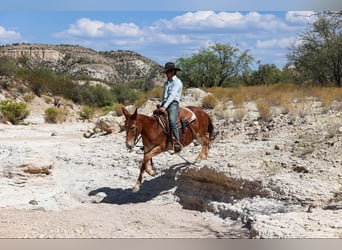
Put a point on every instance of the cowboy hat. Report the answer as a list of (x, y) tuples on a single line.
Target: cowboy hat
[(170, 66)]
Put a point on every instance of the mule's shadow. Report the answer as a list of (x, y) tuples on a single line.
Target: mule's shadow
[(148, 190)]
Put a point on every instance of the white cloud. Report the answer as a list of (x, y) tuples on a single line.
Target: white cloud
[(273, 43), (303, 17), (85, 27), (187, 33), (206, 20), (9, 36)]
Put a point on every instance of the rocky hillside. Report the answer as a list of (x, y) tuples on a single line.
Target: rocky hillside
[(83, 63)]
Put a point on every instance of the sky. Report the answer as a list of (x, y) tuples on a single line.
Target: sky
[(162, 30)]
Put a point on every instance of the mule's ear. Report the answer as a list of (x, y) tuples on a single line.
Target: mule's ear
[(134, 116), (125, 112)]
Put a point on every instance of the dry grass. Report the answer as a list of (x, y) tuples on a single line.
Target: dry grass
[(239, 114), (288, 98), (264, 109), (209, 102)]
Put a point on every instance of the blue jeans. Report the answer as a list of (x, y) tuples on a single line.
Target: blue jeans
[(172, 110)]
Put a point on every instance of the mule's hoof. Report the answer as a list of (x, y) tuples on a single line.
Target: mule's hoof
[(151, 172), (135, 188)]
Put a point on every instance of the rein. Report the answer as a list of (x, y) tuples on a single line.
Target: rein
[(137, 139)]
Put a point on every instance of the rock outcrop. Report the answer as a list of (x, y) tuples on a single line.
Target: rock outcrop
[(113, 66)]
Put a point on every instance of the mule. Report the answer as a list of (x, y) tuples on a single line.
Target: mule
[(156, 140)]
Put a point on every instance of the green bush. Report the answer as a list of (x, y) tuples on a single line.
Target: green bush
[(96, 96), (51, 115), (13, 112), (86, 113), (124, 94)]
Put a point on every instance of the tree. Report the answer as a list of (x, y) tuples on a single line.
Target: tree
[(213, 66), (319, 55), (265, 74)]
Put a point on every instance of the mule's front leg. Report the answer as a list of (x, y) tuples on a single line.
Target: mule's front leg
[(139, 181), (148, 157), (146, 167)]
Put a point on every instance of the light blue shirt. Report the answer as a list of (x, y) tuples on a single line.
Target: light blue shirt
[(172, 91)]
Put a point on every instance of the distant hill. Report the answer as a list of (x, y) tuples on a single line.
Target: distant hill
[(112, 67)]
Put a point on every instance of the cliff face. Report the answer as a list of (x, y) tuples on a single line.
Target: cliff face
[(114, 66)]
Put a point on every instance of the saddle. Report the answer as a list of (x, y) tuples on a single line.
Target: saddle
[(184, 119)]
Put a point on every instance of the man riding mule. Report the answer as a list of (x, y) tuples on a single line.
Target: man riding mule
[(161, 132), (171, 96), (156, 141)]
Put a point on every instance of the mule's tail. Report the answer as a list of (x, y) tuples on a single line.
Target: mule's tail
[(210, 129)]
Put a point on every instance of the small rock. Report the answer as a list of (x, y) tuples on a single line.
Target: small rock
[(33, 202), (300, 169)]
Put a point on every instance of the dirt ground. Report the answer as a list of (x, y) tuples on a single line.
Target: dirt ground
[(85, 191), (277, 180)]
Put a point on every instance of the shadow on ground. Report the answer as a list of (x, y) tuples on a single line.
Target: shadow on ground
[(148, 190)]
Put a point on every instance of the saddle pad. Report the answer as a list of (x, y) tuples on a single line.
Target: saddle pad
[(187, 114)]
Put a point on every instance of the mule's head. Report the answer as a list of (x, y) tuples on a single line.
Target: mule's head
[(131, 127)]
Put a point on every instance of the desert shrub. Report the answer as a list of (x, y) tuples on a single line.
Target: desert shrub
[(264, 109), (51, 115), (124, 94), (285, 103), (239, 114), (209, 102), (28, 97), (86, 113), (117, 109), (13, 112), (8, 66), (238, 99), (156, 92), (96, 96)]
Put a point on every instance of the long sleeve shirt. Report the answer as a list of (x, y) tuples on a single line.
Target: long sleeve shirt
[(172, 91)]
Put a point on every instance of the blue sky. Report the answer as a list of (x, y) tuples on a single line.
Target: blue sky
[(161, 31)]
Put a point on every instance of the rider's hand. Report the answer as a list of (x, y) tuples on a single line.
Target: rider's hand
[(162, 109)]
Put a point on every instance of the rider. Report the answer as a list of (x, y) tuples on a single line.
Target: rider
[(171, 96)]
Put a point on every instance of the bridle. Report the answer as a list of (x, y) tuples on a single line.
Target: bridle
[(137, 138)]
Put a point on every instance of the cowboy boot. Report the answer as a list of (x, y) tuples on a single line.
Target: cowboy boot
[(177, 146)]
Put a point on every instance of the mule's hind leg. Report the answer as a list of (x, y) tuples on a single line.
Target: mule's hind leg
[(205, 147)]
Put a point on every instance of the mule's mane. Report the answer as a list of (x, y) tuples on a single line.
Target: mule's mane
[(141, 117)]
